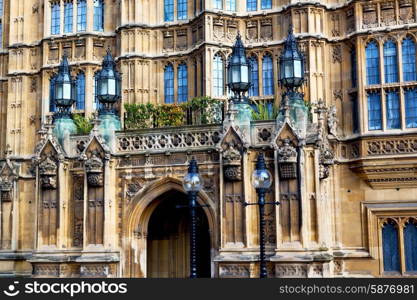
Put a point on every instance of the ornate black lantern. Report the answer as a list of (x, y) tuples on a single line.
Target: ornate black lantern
[(291, 63), (64, 88), (238, 71), (108, 88)]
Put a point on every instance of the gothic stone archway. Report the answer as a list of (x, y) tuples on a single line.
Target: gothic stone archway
[(139, 213)]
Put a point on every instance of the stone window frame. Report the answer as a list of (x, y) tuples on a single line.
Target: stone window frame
[(374, 214)]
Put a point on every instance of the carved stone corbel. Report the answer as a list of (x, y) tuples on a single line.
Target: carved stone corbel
[(94, 168), (287, 160), (232, 163), (48, 174), (326, 161)]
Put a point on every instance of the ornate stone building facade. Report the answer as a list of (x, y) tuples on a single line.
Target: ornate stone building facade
[(85, 208)]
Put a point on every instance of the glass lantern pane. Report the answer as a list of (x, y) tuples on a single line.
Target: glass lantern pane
[(58, 91), (235, 74), (297, 69), (103, 87), (289, 71), (245, 74), (67, 91), (112, 87)]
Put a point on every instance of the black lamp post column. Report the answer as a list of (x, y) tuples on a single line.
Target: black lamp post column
[(262, 181), (192, 184)]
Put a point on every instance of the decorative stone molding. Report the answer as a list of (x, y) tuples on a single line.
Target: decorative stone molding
[(287, 160), (234, 271), (48, 174), (94, 168), (232, 163), (326, 161)]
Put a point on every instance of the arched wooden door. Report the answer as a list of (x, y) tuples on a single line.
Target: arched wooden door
[(168, 239)]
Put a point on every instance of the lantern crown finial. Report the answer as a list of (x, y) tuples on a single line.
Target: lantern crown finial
[(108, 59), (64, 66)]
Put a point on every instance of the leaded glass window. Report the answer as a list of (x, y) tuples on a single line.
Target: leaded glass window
[(391, 255), (55, 18), (266, 4), (390, 62), (182, 83), (410, 108), (393, 110), (98, 15), (81, 15), (218, 4), (251, 5), (168, 10), (169, 84), (52, 104), (254, 76), (182, 10), (410, 245), (374, 111), (267, 75), (409, 59), (231, 5), (80, 104), (68, 15), (372, 63), (218, 76)]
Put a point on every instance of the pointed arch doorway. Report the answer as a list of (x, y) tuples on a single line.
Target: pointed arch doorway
[(168, 239)]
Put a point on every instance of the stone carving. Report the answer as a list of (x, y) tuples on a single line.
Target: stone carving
[(326, 160), (287, 160), (190, 140), (332, 120), (406, 14), (232, 163), (5, 184), (234, 271), (387, 13), (181, 42), (94, 168), (293, 270), (48, 174), (350, 20), (391, 146), (95, 270), (369, 16), (252, 31), (218, 28), (337, 53), (266, 29)]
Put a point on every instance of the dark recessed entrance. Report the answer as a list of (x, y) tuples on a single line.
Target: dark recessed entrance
[(168, 243)]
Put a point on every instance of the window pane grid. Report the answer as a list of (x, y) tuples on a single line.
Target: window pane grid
[(251, 5), (267, 76), (81, 15), (98, 15), (68, 11), (409, 59), (182, 10), (372, 63), (218, 76), (411, 108), (169, 84), (391, 256), (55, 19), (80, 104), (254, 76), (393, 110), (410, 245), (182, 83), (218, 4), (266, 4), (231, 5), (390, 62), (374, 112), (168, 10)]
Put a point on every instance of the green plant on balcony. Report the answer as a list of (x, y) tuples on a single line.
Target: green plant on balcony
[(169, 115), (208, 110), (139, 115), (84, 125), (261, 111)]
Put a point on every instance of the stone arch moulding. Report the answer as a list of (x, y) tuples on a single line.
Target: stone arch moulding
[(138, 214)]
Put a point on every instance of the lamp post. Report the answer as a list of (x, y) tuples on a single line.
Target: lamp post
[(292, 77), (108, 91), (64, 96), (262, 181), (192, 184), (238, 72)]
